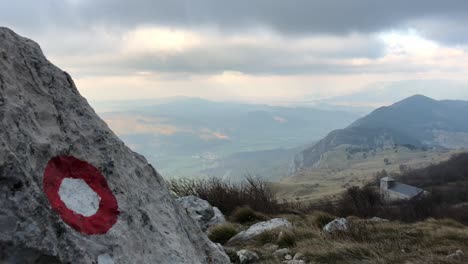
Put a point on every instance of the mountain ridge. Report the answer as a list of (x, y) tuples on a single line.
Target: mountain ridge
[(417, 121)]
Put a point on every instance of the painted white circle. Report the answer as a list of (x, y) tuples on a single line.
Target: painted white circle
[(105, 259), (79, 197)]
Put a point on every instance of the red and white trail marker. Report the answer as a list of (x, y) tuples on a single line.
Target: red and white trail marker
[(79, 193)]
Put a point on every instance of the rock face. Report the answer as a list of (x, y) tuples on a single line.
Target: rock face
[(201, 211), (52, 144), (259, 228)]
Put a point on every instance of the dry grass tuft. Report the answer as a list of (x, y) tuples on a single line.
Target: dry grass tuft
[(429, 241), (245, 214), (222, 233)]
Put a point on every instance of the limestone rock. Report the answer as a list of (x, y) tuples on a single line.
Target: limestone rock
[(259, 228), (280, 253), (247, 256), (50, 133), (376, 219), (458, 255), (300, 256), (294, 261), (339, 224), (217, 219), (201, 211)]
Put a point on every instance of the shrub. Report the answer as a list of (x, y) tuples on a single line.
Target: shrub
[(252, 192), (245, 214), (320, 219), (222, 233)]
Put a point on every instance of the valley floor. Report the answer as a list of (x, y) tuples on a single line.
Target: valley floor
[(340, 173)]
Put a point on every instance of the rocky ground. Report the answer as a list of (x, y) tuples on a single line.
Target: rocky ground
[(321, 238)]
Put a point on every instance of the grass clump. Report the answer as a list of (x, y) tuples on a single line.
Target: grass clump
[(222, 233), (267, 237), (243, 215), (286, 238), (320, 219)]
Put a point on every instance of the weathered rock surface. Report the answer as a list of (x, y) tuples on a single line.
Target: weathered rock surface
[(299, 256), (294, 261), (247, 256), (201, 211), (280, 253), (42, 115), (259, 228), (217, 219), (458, 255), (376, 219), (339, 224)]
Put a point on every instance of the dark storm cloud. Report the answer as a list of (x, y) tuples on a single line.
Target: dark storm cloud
[(92, 28), (288, 17), (294, 16)]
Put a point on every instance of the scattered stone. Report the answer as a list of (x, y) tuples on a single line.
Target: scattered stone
[(288, 257), (294, 262), (339, 224), (270, 247), (44, 120), (280, 253), (259, 228), (300, 256), (247, 256), (376, 219), (458, 255)]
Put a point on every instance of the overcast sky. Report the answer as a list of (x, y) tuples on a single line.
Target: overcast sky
[(269, 51)]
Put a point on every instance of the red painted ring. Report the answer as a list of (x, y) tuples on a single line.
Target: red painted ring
[(61, 167)]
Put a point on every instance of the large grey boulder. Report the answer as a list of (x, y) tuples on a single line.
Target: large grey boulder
[(201, 211), (130, 218), (259, 228)]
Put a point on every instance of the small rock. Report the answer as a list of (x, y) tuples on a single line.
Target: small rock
[(294, 262), (259, 228), (377, 219), (339, 224), (288, 257), (270, 247), (247, 256), (299, 256), (458, 255), (281, 252)]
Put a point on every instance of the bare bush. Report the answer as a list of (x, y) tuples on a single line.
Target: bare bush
[(252, 192)]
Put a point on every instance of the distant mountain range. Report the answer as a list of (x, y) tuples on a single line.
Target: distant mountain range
[(415, 122)]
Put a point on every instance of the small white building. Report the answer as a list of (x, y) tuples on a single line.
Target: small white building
[(391, 190)]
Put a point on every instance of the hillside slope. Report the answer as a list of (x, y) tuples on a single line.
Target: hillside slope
[(416, 122)]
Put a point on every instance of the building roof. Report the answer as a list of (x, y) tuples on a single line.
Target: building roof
[(387, 179), (405, 189)]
